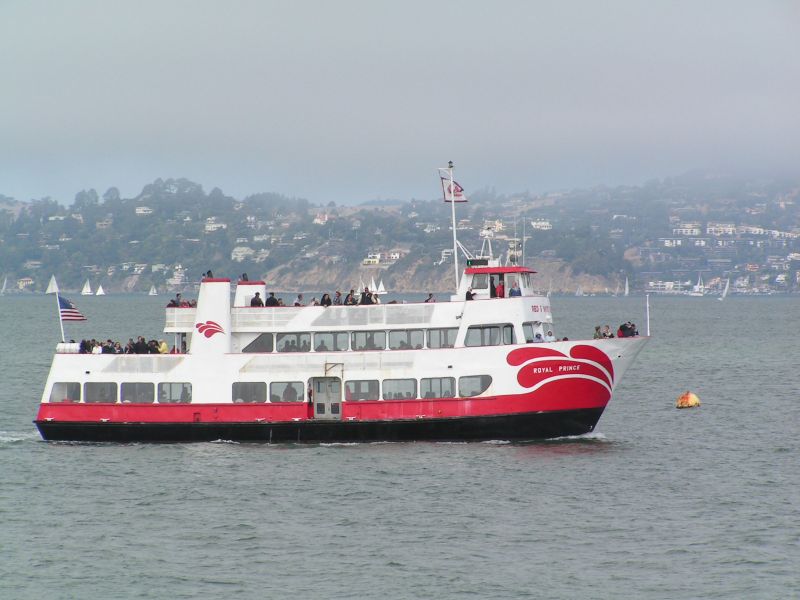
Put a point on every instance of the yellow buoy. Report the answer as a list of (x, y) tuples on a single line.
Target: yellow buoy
[(687, 400)]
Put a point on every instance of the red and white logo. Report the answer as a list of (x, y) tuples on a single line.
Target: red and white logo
[(547, 367), (209, 328)]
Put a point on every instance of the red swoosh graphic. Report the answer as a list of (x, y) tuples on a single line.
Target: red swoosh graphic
[(542, 370), (209, 328), (595, 355)]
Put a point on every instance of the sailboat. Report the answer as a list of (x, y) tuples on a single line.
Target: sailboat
[(87, 289), (100, 291), (549, 288), (152, 291), (627, 288), (725, 291), (5, 283), (579, 291), (372, 287), (381, 290), (699, 288)]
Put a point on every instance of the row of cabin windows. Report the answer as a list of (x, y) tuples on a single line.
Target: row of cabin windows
[(279, 391), (252, 392), (404, 339), (106, 391)]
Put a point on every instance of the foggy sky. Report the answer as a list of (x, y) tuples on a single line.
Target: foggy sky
[(354, 100)]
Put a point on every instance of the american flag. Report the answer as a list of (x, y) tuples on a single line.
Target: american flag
[(68, 310)]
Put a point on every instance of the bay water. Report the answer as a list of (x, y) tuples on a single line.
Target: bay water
[(657, 503)]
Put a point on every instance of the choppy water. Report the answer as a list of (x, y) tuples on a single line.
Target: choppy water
[(659, 503)]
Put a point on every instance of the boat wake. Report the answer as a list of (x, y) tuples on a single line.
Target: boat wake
[(13, 437)]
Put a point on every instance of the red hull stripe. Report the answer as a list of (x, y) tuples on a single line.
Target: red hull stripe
[(582, 394)]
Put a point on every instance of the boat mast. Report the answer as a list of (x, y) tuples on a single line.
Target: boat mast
[(453, 211)]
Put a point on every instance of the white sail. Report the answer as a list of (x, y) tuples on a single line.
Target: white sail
[(579, 291), (616, 290), (372, 286), (100, 291), (381, 289), (727, 288), (52, 287), (5, 283), (152, 291), (87, 289), (549, 288), (627, 288)]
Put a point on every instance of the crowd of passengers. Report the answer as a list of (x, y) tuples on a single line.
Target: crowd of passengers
[(138, 346), (353, 298), (627, 329)]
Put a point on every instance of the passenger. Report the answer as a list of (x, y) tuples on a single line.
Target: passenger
[(366, 297), (209, 274), (314, 302), (289, 394), (492, 288), (162, 347), (500, 290), (598, 335), (430, 298), (326, 300), (337, 298), (470, 294), (321, 347), (537, 339), (244, 277), (350, 300), (299, 300), (514, 291), (281, 302), (257, 301), (607, 332), (272, 300)]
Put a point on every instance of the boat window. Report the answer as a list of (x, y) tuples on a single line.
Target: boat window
[(65, 391), (480, 281), (330, 341), (174, 393), (100, 392), (437, 387), (489, 335), (406, 339), (287, 391), (262, 343), (369, 340), (249, 392), (530, 330), (399, 389), (361, 389), (473, 385), (442, 338), (137, 393), (483, 335), (293, 342)]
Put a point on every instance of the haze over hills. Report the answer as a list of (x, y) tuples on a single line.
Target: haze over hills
[(662, 232)]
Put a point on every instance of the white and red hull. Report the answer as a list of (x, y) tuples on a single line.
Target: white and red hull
[(537, 391)]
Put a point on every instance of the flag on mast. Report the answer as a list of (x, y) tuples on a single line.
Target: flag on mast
[(68, 311), (452, 193)]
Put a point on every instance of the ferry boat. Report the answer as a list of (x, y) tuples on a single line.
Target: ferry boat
[(459, 370)]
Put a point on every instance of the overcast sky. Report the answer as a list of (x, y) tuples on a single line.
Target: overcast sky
[(350, 101)]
